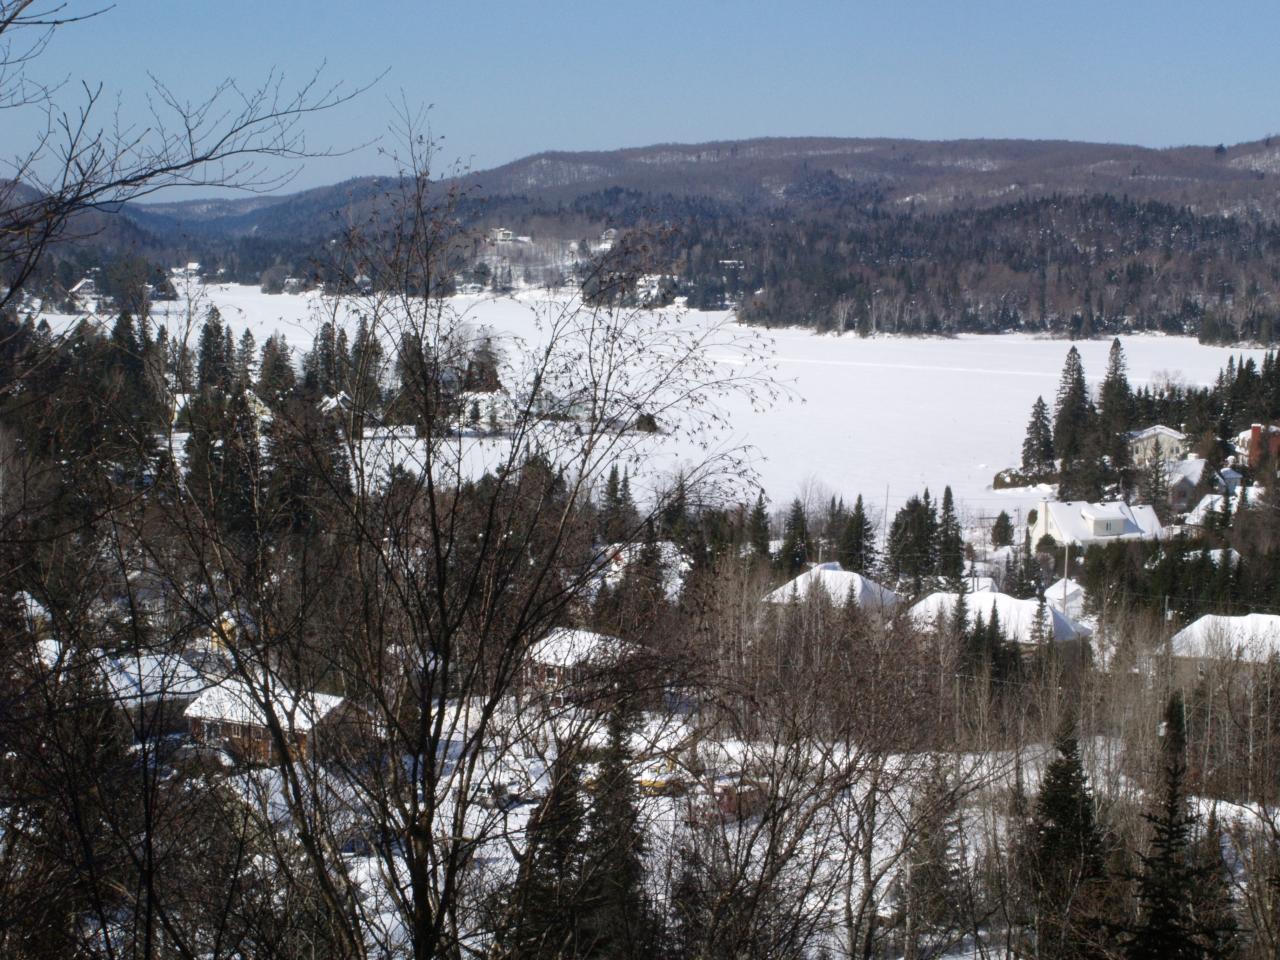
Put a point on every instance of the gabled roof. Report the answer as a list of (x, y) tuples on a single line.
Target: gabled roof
[(838, 584), (566, 647), (1055, 590), (233, 701), (1212, 503), (1190, 470), (1017, 617), (1253, 637), (1158, 430), (141, 678), (1073, 519)]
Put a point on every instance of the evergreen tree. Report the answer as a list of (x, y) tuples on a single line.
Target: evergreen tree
[(950, 544), (795, 540), (1073, 414), (546, 919), (618, 919), (934, 866), (758, 529), (913, 539), (276, 378), (1037, 449), (1169, 881), (1115, 412), (1064, 857), (857, 550), (1153, 485), (1002, 530)]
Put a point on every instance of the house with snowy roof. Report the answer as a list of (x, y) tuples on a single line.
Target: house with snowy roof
[(1067, 596), (1023, 622), (1215, 641), (1083, 524), (574, 664), (839, 586), (1211, 505), (152, 689), (238, 717), (1260, 442), (1182, 477), (1156, 443)]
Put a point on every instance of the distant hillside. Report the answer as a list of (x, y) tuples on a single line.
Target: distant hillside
[(766, 174)]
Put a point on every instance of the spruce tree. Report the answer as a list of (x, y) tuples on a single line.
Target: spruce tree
[(1169, 882), (617, 915), (1037, 449), (950, 544), (857, 541), (546, 917), (1064, 856), (758, 529), (1073, 415), (795, 540), (1115, 411), (1002, 530)]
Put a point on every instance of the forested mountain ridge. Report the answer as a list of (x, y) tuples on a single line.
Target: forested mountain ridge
[(868, 235)]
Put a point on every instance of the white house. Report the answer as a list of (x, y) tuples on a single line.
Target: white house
[(1018, 618), (1158, 441), (1084, 524), (1251, 638), (839, 585)]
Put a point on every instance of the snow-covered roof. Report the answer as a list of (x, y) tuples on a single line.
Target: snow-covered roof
[(1189, 470), (1017, 617), (1055, 591), (233, 701), (566, 647), (838, 584), (1074, 521), (1211, 503), (674, 562), (1253, 637), (1158, 430), (144, 677)]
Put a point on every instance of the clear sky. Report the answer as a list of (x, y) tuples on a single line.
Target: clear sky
[(512, 77)]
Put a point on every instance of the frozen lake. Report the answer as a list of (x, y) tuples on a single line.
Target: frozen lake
[(884, 417)]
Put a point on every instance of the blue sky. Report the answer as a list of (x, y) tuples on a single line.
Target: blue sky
[(512, 78)]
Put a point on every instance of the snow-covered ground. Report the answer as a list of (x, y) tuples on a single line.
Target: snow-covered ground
[(884, 417)]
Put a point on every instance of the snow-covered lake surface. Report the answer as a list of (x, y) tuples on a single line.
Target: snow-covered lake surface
[(884, 417)]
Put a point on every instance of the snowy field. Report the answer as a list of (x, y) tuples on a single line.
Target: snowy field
[(884, 417)]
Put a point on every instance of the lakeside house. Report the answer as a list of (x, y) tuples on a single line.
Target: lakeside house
[(1084, 524), (839, 585)]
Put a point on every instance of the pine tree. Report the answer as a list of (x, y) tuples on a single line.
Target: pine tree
[(1064, 856), (1115, 412), (546, 917), (276, 378), (933, 862), (1153, 485), (1073, 415), (617, 916), (857, 551), (1002, 531), (1037, 449), (1168, 883), (950, 545), (795, 540), (758, 529)]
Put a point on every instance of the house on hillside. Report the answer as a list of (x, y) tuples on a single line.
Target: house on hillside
[(839, 585), (1023, 622), (1162, 442), (1211, 505), (1184, 476), (570, 664), (153, 690), (235, 716), (1083, 524), (1216, 643), (1260, 442)]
